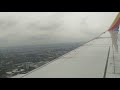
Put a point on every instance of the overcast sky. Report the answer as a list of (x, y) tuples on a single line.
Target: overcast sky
[(27, 28)]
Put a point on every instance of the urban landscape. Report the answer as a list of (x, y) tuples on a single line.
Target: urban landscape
[(21, 60)]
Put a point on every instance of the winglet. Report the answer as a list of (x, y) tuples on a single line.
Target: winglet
[(114, 29), (116, 23)]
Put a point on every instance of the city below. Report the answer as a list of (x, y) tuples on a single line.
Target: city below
[(21, 60)]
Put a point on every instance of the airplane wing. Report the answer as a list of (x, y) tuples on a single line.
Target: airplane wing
[(95, 59)]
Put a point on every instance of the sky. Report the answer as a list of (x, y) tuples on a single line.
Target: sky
[(39, 28)]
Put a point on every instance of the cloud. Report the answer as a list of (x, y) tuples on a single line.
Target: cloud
[(52, 27), (5, 24)]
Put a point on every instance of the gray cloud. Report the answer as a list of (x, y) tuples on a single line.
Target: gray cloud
[(5, 24), (51, 27)]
